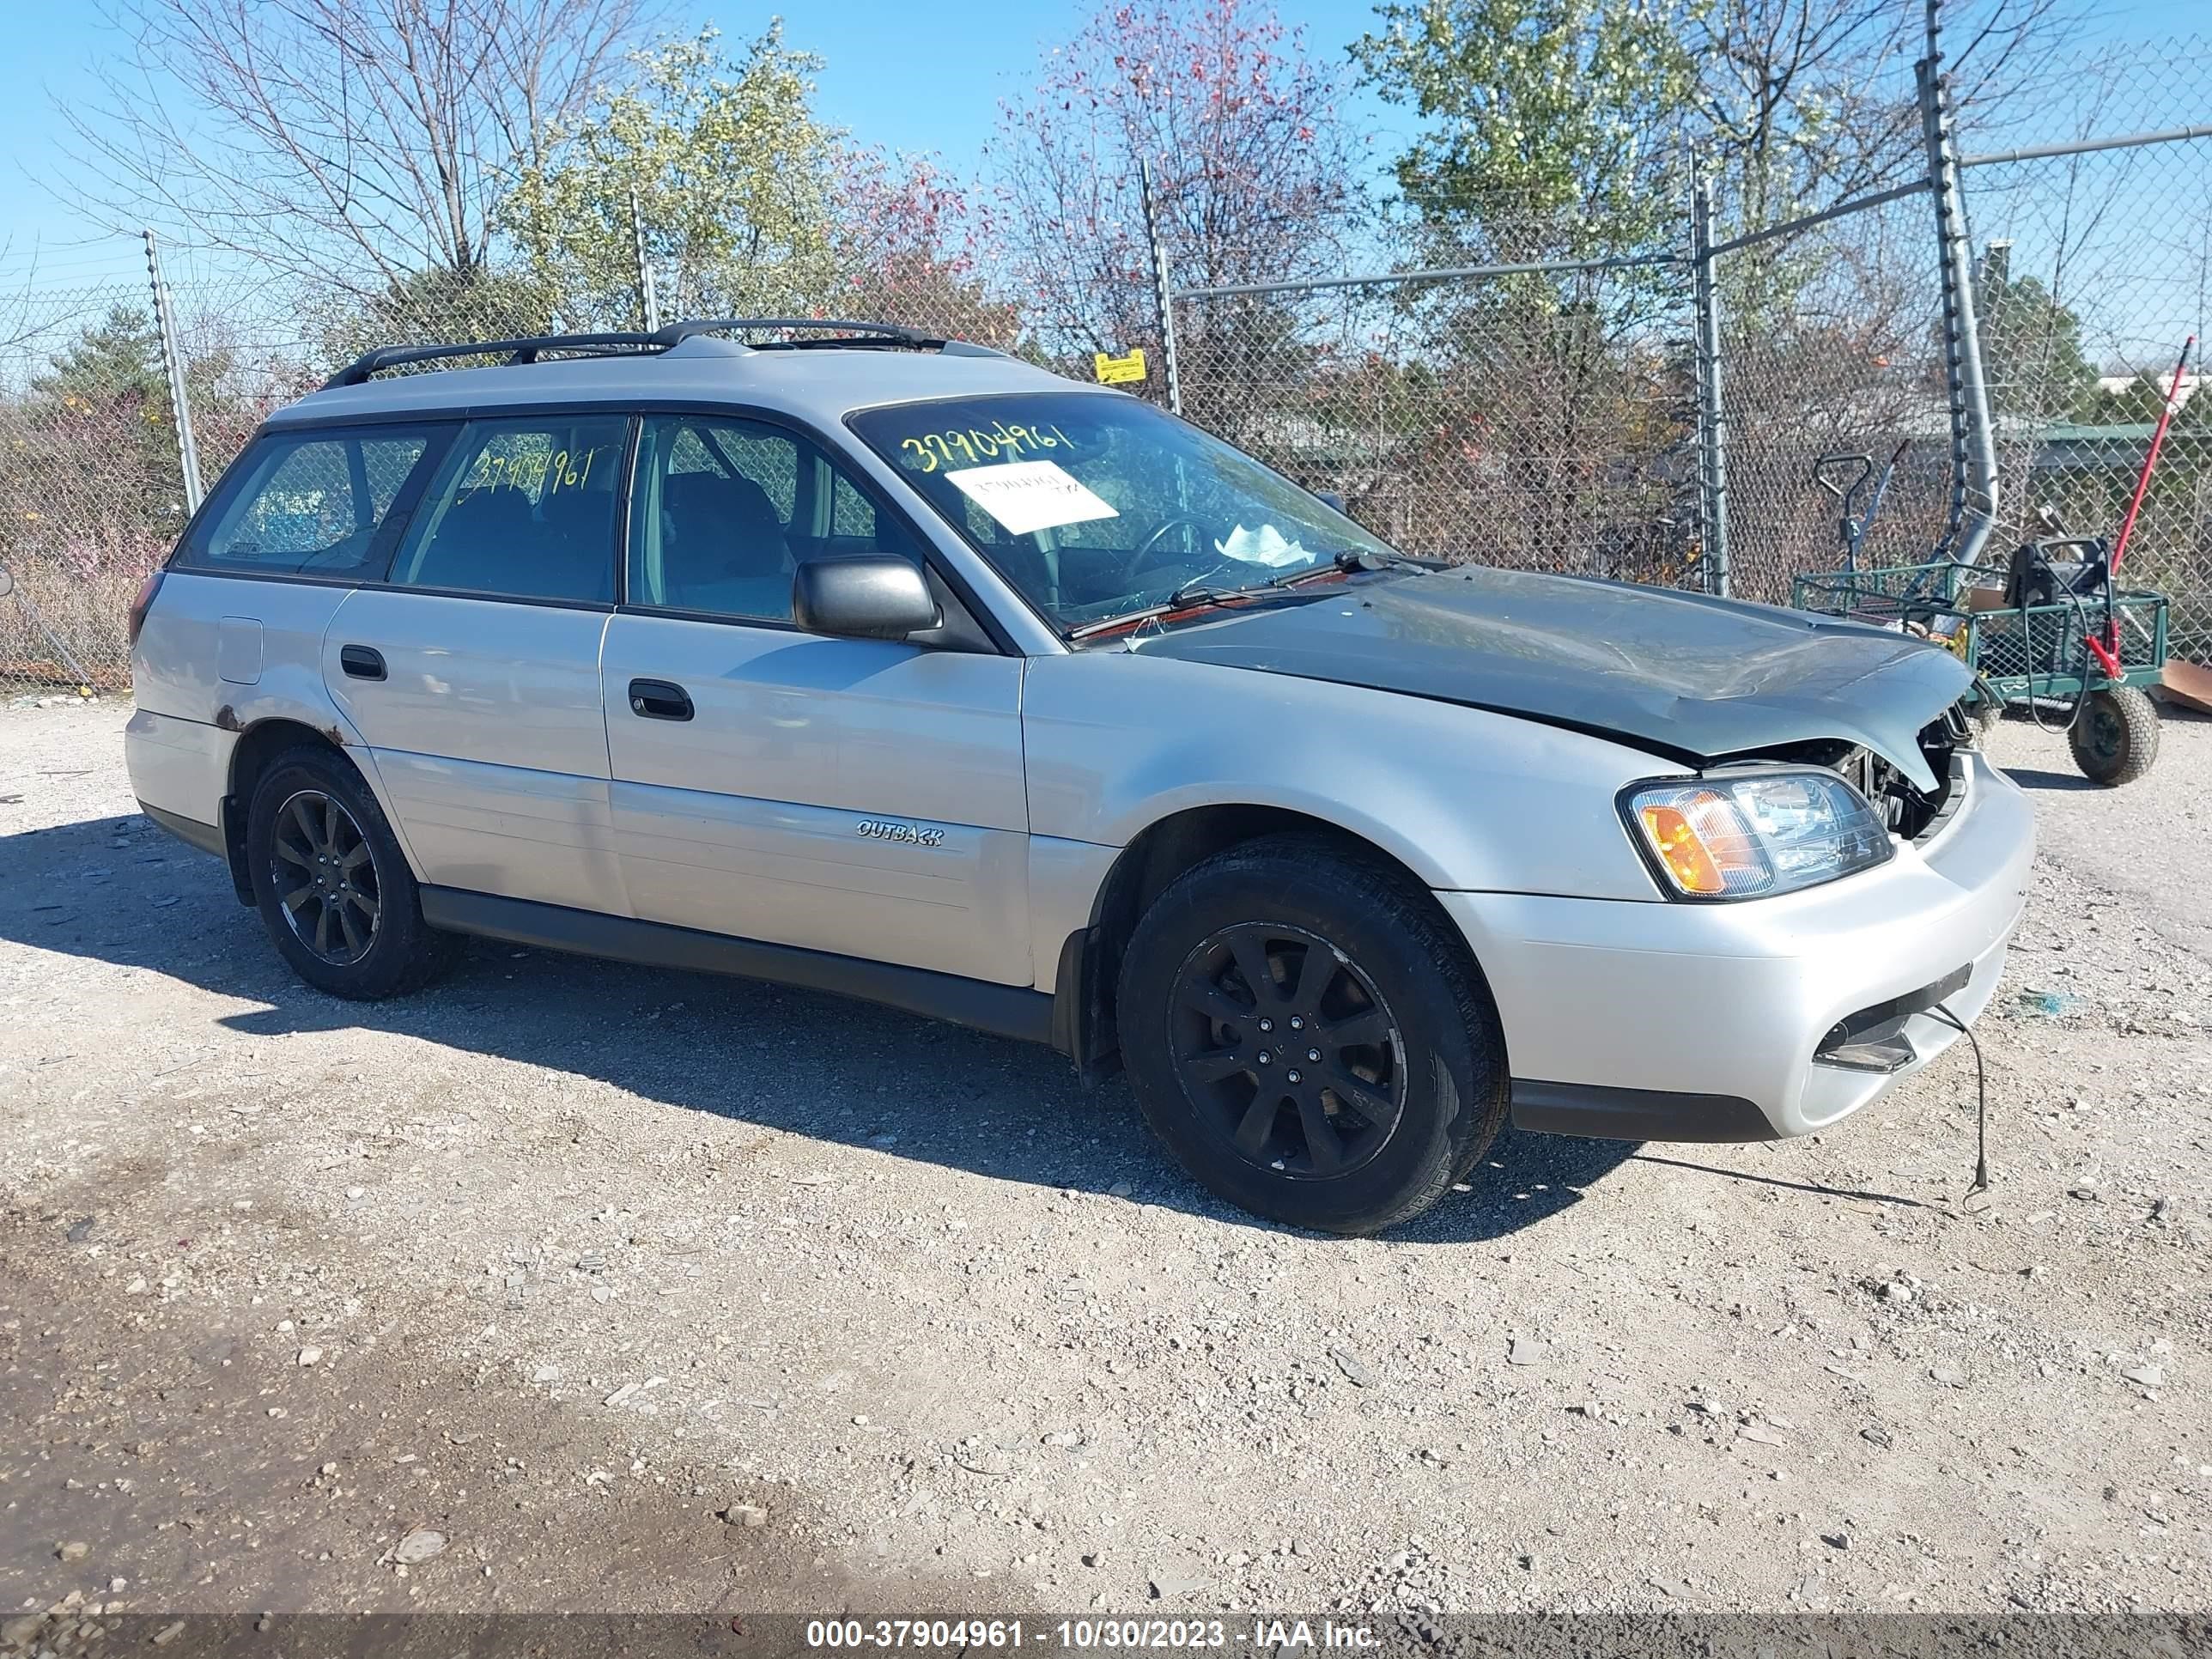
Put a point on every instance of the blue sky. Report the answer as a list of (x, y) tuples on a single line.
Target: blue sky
[(931, 85), (934, 87)]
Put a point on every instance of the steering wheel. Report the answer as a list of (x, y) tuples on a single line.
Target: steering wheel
[(1144, 549)]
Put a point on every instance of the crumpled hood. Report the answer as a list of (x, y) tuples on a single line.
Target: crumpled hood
[(1682, 673)]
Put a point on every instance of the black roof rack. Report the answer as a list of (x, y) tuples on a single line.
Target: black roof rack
[(834, 332), (525, 351), (841, 332)]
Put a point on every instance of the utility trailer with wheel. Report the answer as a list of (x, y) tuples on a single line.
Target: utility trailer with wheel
[(2089, 657)]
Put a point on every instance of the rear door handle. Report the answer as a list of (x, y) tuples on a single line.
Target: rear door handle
[(362, 662), (658, 700)]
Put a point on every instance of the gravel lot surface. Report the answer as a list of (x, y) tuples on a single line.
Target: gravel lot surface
[(574, 1286)]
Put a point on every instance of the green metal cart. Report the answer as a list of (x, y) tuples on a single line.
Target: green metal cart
[(2091, 655)]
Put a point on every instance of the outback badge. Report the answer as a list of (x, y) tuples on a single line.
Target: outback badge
[(892, 829)]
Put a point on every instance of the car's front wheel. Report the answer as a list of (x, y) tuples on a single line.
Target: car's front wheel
[(332, 886), (1309, 1036)]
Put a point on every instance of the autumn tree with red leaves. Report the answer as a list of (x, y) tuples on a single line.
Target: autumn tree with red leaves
[(912, 251), (1255, 179)]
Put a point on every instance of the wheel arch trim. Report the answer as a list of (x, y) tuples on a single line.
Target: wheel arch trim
[(1089, 959), (276, 727)]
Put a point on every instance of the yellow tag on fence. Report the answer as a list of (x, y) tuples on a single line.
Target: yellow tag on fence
[(1119, 370)]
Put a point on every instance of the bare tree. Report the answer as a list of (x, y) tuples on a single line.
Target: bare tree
[(1812, 101), (1254, 171), (352, 141)]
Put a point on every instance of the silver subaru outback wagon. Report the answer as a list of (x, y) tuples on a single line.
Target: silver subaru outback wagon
[(897, 667)]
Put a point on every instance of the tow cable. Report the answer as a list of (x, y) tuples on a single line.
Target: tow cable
[(1981, 1184)]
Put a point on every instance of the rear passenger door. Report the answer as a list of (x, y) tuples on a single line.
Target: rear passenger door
[(862, 797), (473, 673)]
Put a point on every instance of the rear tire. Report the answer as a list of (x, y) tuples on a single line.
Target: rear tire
[(2116, 740), (1310, 1037), (332, 886)]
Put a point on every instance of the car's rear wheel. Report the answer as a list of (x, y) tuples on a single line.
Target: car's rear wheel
[(332, 886), (1309, 1036)]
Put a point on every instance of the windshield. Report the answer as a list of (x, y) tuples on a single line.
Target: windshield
[(1095, 505)]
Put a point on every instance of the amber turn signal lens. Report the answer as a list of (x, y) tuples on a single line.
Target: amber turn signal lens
[(1703, 843), (1680, 849)]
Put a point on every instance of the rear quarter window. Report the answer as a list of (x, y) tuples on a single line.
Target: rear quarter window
[(311, 503)]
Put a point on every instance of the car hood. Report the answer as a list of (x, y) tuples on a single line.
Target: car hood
[(1684, 674)]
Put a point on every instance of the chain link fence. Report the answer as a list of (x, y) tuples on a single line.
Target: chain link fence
[(1536, 418), (1831, 347), (1546, 414), (91, 491), (2093, 266), (1551, 418)]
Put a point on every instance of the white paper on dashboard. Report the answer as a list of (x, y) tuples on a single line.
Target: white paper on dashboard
[(1027, 496), (1265, 545)]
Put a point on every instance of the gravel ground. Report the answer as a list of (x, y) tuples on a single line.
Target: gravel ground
[(574, 1286)]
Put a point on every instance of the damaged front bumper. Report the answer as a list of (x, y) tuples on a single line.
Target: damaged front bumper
[(1759, 1020)]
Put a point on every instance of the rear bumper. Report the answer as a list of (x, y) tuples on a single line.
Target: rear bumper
[(208, 837), (1663, 1021), (179, 769)]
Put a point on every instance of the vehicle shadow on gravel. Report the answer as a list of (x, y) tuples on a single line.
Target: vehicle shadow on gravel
[(798, 1062), (2029, 777)]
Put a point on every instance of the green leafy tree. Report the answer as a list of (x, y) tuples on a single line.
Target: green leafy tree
[(1551, 124), (734, 177), (115, 359), (89, 470), (2032, 349), (1552, 129)]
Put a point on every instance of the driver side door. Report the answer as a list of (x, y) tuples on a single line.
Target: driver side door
[(861, 797)]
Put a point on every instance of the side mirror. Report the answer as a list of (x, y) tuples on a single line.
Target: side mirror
[(1332, 498), (871, 598), (6, 582)]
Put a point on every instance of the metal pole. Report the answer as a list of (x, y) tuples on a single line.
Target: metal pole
[(1712, 414), (1163, 300), (1445, 273), (647, 305), (1973, 442), (2089, 146), (1791, 227), (173, 362)]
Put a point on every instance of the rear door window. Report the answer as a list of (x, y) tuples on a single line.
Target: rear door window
[(521, 509), (312, 503)]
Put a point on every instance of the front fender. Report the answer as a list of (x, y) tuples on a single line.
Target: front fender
[(1467, 799)]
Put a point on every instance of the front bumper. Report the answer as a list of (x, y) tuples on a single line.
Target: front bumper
[(1700, 1022)]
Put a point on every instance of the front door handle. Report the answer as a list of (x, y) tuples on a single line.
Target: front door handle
[(362, 662), (658, 700)]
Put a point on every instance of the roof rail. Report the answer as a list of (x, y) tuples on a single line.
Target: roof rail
[(845, 331), (837, 331), (525, 350)]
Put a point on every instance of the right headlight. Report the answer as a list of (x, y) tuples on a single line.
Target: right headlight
[(1755, 834)]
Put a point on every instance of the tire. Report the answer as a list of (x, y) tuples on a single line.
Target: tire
[(2116, 740), (1412, 1086), (353, 925), (1986, 712)]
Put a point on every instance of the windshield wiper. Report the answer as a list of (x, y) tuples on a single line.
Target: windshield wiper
[(1201, 592), (1190, 594), (1341, 564)]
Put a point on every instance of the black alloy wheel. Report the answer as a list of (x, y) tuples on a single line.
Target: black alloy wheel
[(324, 878), (1289, 1049), (1305, 1029)]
